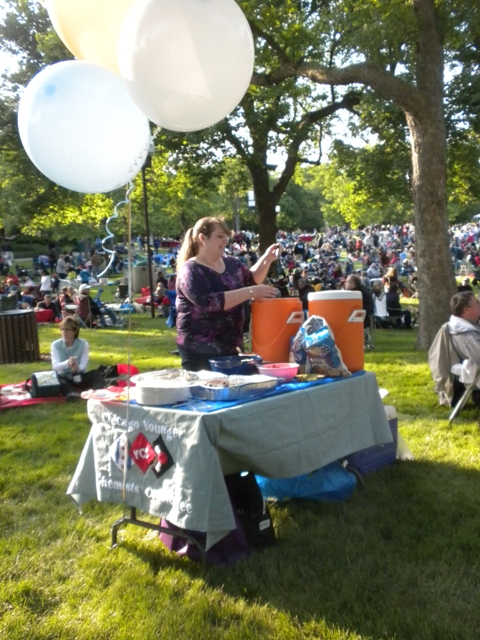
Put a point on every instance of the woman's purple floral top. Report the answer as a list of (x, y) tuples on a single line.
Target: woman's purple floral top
[(203, 325)]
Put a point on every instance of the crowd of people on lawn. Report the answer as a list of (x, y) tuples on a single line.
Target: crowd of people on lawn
[(53, 307), (378, 260)]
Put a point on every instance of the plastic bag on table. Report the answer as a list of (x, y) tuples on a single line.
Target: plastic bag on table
[(314, 349)]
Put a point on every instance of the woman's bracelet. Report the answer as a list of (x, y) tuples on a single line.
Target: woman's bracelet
[(250, 292)]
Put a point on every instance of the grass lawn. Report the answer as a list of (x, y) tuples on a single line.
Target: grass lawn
[(400, 559)]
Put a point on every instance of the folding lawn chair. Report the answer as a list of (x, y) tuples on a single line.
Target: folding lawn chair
[(468, 374), (455, 378), (84, 314), (381, 318)]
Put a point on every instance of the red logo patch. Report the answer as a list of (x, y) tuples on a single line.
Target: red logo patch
[(142, 452)]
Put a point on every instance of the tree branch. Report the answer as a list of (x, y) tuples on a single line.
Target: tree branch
[(233, 140), (349, 102), (272, 43), (371, 74)]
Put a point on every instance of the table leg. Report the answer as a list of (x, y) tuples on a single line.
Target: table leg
[(132, 519)]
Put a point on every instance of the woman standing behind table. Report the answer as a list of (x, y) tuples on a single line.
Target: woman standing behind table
[(211, 290)]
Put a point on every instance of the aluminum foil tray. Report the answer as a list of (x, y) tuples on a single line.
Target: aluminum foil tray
[(253, 386)]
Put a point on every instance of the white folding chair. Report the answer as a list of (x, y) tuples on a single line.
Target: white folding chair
[(468, 374)]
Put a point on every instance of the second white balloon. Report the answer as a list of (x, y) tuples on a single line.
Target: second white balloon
[(187, 63)]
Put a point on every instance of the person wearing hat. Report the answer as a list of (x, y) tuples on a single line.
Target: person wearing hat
[(90, 311), (373, 271)]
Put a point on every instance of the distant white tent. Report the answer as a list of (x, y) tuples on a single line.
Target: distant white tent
[(476, 216)]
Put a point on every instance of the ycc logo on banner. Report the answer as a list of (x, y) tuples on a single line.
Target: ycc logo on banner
[(142, 452)]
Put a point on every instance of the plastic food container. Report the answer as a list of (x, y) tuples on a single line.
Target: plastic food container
[(161, 392), (380, 455), (236, 388), (285, 370), (168, 386), (236, 365)]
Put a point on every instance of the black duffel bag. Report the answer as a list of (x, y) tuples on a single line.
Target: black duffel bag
[(251, 509), (44, 384)]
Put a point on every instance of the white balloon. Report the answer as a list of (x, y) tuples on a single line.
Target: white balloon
[(188, 63), (81, 129)]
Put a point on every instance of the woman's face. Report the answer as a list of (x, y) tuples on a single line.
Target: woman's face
[(217, 241), (68, 335)]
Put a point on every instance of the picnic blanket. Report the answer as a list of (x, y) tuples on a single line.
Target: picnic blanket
[(16, 395)]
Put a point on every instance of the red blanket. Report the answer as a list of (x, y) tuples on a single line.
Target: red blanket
[(15, 395)]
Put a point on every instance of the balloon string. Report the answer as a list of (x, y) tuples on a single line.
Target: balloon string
[(129, 327), (127, 201), (110, 235), (125, 443)]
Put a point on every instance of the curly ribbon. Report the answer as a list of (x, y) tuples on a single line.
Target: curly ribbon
[(110, 235), (150, 147)]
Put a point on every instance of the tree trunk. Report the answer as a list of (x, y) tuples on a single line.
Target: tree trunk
[(436, 282), (267, 218), (266, 205)]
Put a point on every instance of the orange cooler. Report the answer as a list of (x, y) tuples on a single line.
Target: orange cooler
[(344, 313), (274, 323)]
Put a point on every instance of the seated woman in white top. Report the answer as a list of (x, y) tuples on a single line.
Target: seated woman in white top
[(70, 359)]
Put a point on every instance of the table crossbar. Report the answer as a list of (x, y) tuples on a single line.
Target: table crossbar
[(132, 519)]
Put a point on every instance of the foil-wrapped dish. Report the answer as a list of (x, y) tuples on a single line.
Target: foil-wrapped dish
[(233, 388)]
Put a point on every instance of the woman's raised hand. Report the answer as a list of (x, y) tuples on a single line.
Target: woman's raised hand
[(263, 292), (274, 251)]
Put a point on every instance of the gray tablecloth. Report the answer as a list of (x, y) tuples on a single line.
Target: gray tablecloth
[(277, 437)]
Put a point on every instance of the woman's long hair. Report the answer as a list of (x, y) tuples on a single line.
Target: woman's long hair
[(392, 274), (191, 245)]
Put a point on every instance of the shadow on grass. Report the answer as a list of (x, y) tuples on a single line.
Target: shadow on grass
[(398, 559), (160, 562)]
